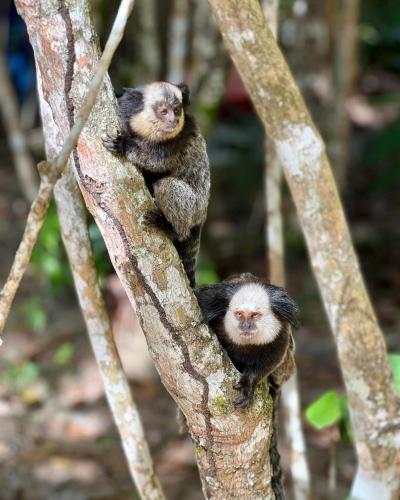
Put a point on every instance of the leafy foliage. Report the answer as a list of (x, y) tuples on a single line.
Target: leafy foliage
[(394, 362), (325, 411), (64, 353), (383, 148), (49, 257), (21, 375), (332, 408), (35, 314)]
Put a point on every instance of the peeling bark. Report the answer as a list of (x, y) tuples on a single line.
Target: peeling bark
[(374, 405), (290, 399), (231, 446)]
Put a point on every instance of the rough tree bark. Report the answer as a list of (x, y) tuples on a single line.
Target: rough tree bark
[(374, 405), (50, 172), (75, 234), (231, 446), (76, 239), (290, 399)]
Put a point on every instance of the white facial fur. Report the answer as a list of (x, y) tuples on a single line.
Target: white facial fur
[(146, 123), (252, 298), (154, 90)]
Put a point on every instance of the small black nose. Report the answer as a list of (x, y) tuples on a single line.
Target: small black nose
[(171, 118), (247, 325)]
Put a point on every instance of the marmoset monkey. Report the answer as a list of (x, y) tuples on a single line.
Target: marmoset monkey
[(251, 319), (160, 137)]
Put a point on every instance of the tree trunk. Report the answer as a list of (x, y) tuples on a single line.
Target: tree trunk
[(75, 234), (231, 446), (72, 215), (361, 346), (177, 38), (344, 75), (290, 399)]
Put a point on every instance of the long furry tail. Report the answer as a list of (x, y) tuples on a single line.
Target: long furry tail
[(188, 251), (277, 476)]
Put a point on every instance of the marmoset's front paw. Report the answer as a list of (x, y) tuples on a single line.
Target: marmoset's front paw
[(114, 143), (243, 402)]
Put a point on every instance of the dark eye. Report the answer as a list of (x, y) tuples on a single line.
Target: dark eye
[(177, 111), (256, 316)]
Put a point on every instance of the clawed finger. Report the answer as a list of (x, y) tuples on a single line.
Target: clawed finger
[(242, 403)]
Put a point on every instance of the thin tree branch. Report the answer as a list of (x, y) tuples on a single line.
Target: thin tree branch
[(209, 67), (344, 75), (75, 235), (50, 172), (24, 165), (177, 34)]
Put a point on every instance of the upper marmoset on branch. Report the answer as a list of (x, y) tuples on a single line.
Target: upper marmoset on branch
[(251, 320), (160, 137)]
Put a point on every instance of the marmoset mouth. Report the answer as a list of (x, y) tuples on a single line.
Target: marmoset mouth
[(248, 333)]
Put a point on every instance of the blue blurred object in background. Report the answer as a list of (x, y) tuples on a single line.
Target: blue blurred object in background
[(18, 50)]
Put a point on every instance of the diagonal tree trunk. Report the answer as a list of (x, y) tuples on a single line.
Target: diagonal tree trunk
[(290, 399), (75, 234), (361, 347), (231, 446)]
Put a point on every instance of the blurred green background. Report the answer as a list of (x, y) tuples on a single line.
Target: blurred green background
[(56, 435)]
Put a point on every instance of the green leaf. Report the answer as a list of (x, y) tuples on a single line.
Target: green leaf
[(35, 314), (63, 354), (206, 276), (394, 362), (22, 375), (325, 411)]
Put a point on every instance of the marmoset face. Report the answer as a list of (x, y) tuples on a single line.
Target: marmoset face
[(162, 117), (169, 112), (249, 318)]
